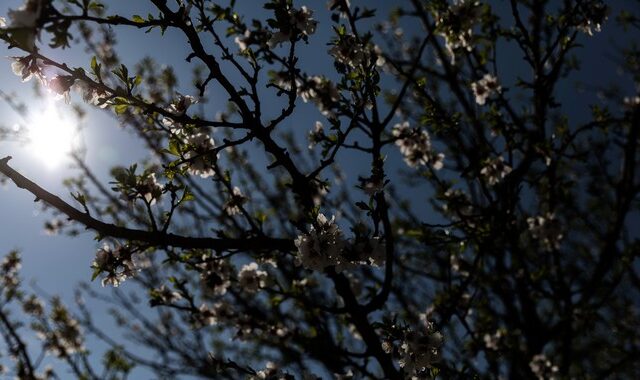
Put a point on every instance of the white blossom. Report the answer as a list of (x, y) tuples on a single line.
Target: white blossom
[(181, 103), (91, 94), (27, 68), (320, 91), (23, 23), (316, 135), (149, 188), (33, 306), (546, 229), (542, 368), (373, 185), (242, 41), (233, 204), (456, 25), (322, 246), (348, 51), (420, 349), (303, 20), (591, 15), (178, 107), (206, 316), (485, 87), (200, 145), (631, 101), (495, 170), (166, 295), (492, 341), (215, 276), (119, 263), (300, 19), (252, 279), (415, 146)]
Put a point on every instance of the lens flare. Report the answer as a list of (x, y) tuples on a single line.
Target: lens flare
[(51, 137)]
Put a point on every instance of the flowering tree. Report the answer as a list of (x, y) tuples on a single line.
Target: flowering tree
[(488, 233)]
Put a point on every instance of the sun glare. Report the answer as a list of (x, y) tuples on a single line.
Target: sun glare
[(51, 136)]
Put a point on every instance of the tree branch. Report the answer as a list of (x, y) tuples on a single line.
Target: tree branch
[(156, 238)]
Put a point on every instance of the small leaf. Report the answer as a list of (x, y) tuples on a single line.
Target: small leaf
[(138, 19)]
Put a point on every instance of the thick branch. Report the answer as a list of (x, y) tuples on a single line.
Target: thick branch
[(155, 238)]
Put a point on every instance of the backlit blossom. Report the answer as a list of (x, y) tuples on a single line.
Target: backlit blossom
[(23, 24), (546, 229), (348, 51), (233, 204), (178, 107), (199, 155), (243, 41), (320, 91), (415, 146), (456, 25), (322, 246), (64, 337), (372, 185), (420, 349), (485, 87), (591, 15), (91, 94), (251, 279), (117, 263), (495, 170), (316, 135), (181, 104), (61, 85), (166, 295), (149, 188), (543, 368), (27, 67), (300, 22), (215, 276)]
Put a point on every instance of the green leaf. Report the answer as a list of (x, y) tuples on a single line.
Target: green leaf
[(96, 273), (120, 108), (138, 19)]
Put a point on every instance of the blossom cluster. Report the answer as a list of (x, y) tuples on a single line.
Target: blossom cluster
[(315, 89), (251, 279), (324, 246), (299, 21), (65, 337), (145, 187), (484, 88), (415, 146), (23, 26), (542, 368), (212, 315), (119, 263), (215, 275), (420, 350), (348, 51), (455, 24), (198, 146), (199, 154), (9, 268), (178, 107), (495, 170), (234, 203), (546, 230), (590, 16)]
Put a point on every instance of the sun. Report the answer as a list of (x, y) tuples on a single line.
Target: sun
[(51, 136)]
